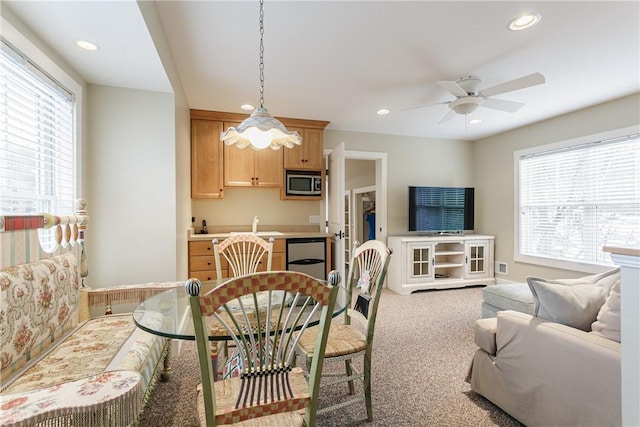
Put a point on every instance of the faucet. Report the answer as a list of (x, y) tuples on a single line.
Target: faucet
[(254, 228)]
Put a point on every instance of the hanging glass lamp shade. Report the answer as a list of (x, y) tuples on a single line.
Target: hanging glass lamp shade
[(261, 130)]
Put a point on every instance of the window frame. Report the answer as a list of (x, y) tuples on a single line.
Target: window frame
[(517, 155)]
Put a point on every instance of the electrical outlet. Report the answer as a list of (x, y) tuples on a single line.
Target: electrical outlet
[(314, 219)]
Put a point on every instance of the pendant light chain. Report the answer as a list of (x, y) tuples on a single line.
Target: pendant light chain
[(261, 55)]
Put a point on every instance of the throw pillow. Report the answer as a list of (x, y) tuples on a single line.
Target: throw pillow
[(572, 302), (608, 321)]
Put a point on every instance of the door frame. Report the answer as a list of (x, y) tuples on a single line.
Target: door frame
[(381, 186)]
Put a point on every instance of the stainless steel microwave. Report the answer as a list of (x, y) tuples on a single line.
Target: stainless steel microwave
[(303, 183)]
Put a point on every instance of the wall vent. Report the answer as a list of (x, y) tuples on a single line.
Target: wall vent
[(500, 267)]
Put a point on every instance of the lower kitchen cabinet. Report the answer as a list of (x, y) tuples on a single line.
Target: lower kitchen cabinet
[(202, 264)]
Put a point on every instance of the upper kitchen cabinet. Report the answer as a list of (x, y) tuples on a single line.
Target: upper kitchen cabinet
[(246, 167), (215, 165), (309, 154), (206, 159)]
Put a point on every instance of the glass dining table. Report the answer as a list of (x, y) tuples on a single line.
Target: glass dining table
[(168, 315)]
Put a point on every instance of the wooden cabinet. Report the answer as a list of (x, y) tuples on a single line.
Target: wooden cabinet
[(215, 165), (202, 264), (206, 159), (246, 167), (309, 154), (425, 262)]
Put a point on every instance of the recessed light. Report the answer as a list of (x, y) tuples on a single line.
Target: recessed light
[(86, 45), (247, 107), (524, 21), (382, 111), (475, 121)]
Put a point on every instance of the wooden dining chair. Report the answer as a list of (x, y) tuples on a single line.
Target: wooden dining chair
[(244, 253), (270, 390), (353, 338)]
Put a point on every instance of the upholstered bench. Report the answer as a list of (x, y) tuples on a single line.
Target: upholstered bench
[(508, 296)]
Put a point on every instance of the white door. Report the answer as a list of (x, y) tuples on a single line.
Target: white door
[(336, 206)]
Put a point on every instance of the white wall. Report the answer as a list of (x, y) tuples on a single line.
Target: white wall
[(494, 180), (182, 146), (132, 187), (411, 161)]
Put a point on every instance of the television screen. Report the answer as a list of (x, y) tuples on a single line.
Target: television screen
[(441, 209)]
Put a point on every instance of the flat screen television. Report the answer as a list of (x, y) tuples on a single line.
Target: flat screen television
[(441, 209)]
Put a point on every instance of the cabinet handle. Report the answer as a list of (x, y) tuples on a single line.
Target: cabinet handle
[(208, 248), (208, 262), (466, 260)]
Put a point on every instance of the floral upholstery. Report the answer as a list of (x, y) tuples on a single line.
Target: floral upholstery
[(108, 399), (48, 358), (38, 304)]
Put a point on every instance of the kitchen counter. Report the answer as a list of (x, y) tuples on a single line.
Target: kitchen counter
[(264, 232)]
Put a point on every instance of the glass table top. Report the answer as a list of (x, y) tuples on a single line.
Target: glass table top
[(168, 314)]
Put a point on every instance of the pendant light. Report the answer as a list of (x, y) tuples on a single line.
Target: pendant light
[(261, 130)]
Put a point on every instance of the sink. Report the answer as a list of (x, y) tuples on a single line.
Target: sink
[(259, 233)]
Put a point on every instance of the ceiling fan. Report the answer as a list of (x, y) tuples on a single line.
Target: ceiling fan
[(469, 97)]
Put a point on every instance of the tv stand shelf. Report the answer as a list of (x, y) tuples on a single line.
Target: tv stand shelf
[(440, 262)]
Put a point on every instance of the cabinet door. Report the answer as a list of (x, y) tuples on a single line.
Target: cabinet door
[(206, 159), (239, 169), (313, 141), (419, 262), (309, 154), (247, 167), (477, 259), (268, 167)]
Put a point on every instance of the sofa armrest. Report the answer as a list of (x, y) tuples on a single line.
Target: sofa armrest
[(119, 299), (485, 337), (99, 397)]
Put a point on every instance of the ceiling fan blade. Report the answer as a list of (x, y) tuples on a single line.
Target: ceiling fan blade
[(502, 105), (516, 84), (424, 105), (447, 117), (453, 88)]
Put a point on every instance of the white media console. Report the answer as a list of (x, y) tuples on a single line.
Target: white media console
[(440, 262)]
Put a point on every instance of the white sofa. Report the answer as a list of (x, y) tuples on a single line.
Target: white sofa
[(561, 365)]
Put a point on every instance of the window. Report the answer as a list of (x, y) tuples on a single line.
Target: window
[(37, 142), (574, 198)]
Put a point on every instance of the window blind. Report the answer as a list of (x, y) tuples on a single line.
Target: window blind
[(37, 142), (575, 200)]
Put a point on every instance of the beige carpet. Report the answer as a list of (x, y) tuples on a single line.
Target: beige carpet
[(422, 349)]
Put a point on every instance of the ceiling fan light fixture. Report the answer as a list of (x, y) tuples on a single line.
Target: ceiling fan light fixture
[(261, 130), (524, 21)]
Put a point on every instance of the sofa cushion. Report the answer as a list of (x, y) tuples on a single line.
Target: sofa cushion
[(509, 296), (113, 342), (607, 323), (572, 302)]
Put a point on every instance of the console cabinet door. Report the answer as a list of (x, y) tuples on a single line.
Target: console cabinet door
[(420, 262), (477, 259)]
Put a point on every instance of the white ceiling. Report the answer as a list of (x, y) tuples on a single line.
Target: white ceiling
[(342, 60)]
